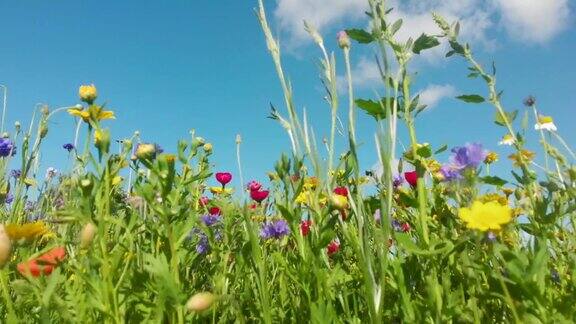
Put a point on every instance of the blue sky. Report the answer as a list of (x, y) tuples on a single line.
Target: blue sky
[(168, 67)]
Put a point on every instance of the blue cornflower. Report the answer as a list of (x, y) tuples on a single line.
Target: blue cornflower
[(275, 229), (203, 246), (9, 198), (7, 147), (397, 182), (68, 147), (210, 220)]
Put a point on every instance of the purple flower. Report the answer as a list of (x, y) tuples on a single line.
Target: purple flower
[(275, 229), (16, 173), (35, 218), (29, 206), (203, 246), (210, 220), (397, 182), (555, 276), (9, 198), (396, 226), (468, 156), (491, 237), (7, 147), (68, 147), (450, 173)]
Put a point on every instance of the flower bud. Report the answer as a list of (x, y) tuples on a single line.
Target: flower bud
[(200, 302), (207, 148), (146, 151), (343, 39), (87, 235), (238, 139), (88, 93), (5, 247), (17, 126), (338, 201)]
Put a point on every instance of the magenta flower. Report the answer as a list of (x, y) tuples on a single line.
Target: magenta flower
[(223, 177), (259, 196)]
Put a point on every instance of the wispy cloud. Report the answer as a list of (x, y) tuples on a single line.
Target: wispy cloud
[(434, 93), (533, 20)]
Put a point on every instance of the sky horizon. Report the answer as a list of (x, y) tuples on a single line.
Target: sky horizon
[(167, 68)]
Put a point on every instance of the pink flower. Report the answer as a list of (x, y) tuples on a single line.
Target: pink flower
[(223, 177), (333, 247), (305, 227), (405, 227), (259, 195), (342, 191), (203, 201), (254, 186), (411, 177)]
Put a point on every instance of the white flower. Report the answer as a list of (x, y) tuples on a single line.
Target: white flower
[(545, 123), (51, 173), (507, 140)]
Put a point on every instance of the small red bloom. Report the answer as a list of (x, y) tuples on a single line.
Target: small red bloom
[(203, 201), (43, 264), (254, 185), (253, 206), (342, 191), (405, 227), (223, 177), (411, 177), (305, 227), (333, 247), (259, 195), (214, 211)]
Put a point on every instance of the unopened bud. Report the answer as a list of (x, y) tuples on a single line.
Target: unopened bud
[(207, 148), (87, 235), (343, 39), (5, 247), (200, 302)]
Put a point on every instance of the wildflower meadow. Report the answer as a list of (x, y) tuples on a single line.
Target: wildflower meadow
[(143, 234)]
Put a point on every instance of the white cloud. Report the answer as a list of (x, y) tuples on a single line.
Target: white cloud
[(534, 20), (434, 93), (320, 13), (537, 20)]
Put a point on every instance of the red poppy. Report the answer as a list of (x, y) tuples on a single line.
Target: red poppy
[(342, 191), (223, 177), (333, 247), (253, 206), (305, 227), (411, 177), (43, 264), (214, 211), (259, 196)]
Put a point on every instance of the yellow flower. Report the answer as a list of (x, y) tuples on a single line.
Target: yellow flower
[(207, 147), (303, 197), (220, 190), (27, 231), (494, 197), (94, 113), (491, 157), (311, 183), (485, 216), (88, 93), (522, 157), (117, 180)]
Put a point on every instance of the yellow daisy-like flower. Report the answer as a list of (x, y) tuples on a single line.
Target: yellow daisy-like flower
[(303, 197), (27, 231), (522, 157), (311, 183), (94, 113), (491, 157), (485, 216), (117, 180), (220, 190)]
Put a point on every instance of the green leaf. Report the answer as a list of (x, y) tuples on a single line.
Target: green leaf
[(396, 26), (360, 35), (424, 42), (456, 47), (510, 116), (374, 108), (441, 149), (493, 180), (471, 98)]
